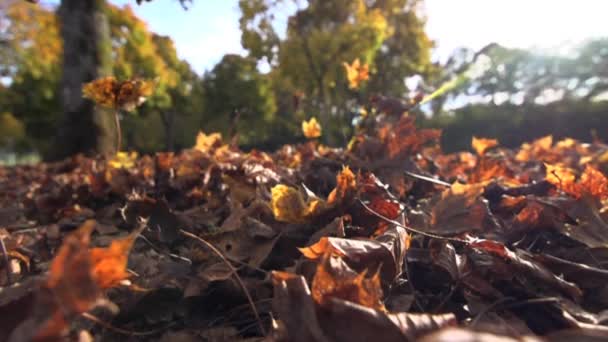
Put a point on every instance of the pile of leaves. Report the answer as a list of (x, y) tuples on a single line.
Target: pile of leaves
[(388, 239)]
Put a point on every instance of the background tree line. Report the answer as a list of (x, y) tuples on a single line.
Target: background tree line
[(47, 53)]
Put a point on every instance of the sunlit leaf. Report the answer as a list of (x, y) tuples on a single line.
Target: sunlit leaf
[(288, 205), (346, 186), (206, 142), (356, 73), (593, 182), (111, 93), (311, 128), (481, 145), (110, 263), (70, 276), (123, 160)]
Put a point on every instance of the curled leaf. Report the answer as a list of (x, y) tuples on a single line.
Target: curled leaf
[(345, 188), (288, 205), (334, 279)]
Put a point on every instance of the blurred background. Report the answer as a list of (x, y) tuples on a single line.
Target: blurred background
[(516, 70)]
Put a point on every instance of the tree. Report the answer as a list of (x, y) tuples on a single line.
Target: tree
[(321, 36), (84, 30), (238, 99), (33, 47), (31, 57), (405, 52)]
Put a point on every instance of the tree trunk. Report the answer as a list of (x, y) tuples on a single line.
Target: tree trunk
[(168, 120), (84, 129)]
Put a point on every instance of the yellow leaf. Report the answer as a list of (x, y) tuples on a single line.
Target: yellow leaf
[(205, 142), (123, 160), (356, 73), (288, 205), (311, 128)]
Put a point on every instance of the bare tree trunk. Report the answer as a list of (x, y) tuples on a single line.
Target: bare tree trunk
[(83, 29), (168, 120)]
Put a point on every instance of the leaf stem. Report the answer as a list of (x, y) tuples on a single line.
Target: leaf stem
[(118, 130)]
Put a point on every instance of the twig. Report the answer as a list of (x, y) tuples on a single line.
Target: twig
[(233, 271), (414, 230), (7, 266), (109, 326), (118, 130), (428, 179)]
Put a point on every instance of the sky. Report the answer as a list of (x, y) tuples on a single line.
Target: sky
[(209, 28)]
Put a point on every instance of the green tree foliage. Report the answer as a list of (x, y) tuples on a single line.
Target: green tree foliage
[(31, 62), (33, 67), (321, 36), (238, 98), (523, 95), (406, 51)]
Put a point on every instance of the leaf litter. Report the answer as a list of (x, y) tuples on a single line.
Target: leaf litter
[(388, 239)]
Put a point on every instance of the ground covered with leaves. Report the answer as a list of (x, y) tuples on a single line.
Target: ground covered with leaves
[(387, 239)]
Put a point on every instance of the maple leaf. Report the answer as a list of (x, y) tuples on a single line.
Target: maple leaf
[(480, 145), (311, 128), (109, 264), (70, 277), (123, 160), (206, 142), (111, 93), (356, 73)]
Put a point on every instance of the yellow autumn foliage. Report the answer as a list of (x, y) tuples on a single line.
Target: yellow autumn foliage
[(311, 128), (288, 205), (123, 160)]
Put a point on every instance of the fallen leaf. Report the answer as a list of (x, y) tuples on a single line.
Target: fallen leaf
[(481, 145)]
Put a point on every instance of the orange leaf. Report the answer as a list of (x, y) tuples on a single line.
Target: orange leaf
[(110, 263), (562, 177), (594, 183), (334, 279), (346, 186), (480, 145), (356, 73), (70, 277)]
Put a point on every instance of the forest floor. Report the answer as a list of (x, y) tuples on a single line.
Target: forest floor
[(388, 239)]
